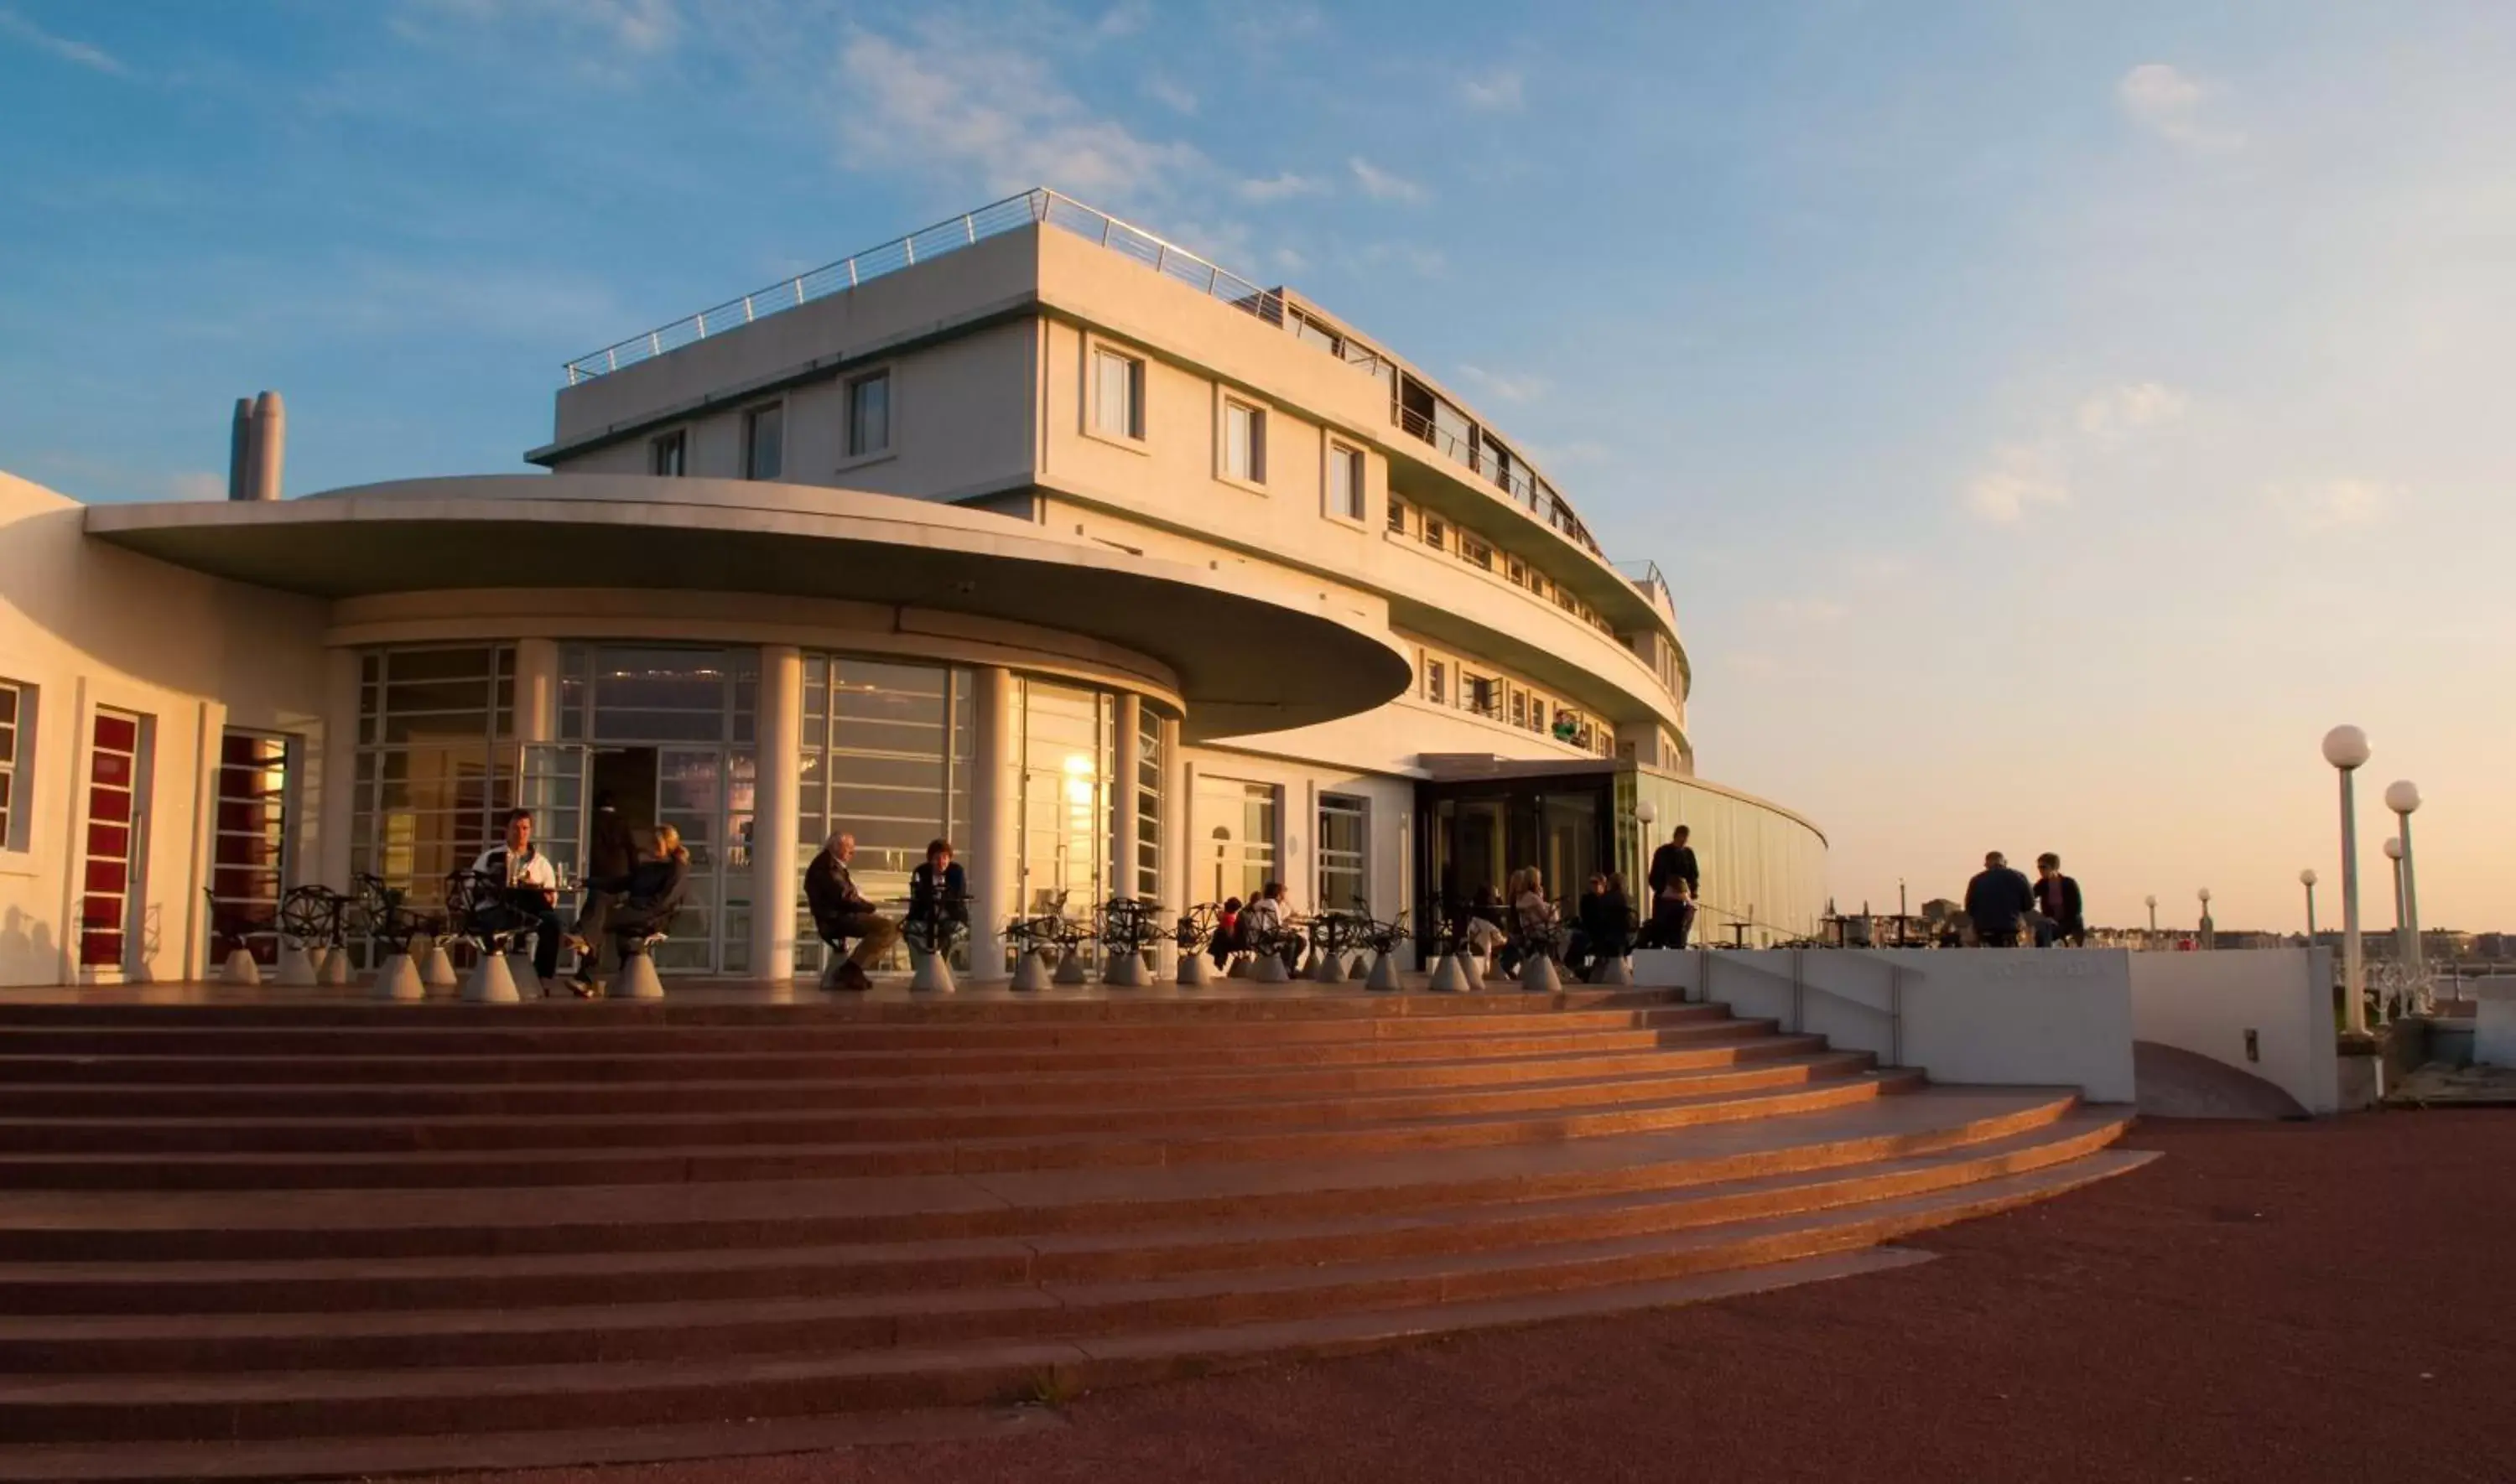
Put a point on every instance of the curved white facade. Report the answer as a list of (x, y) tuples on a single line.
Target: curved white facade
[(1032, 544)]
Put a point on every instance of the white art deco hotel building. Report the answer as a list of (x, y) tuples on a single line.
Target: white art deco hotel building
[(1030, 530)]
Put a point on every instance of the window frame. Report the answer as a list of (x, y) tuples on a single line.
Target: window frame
[(1436, 682), (1435, 532), (751, 415), (853, 456), (17, 768), (678, 441), (1397, 515), (1337, 451), (1141, 389), (1228, 402)]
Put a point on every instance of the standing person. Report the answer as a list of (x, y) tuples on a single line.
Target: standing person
[(1997, 901), (611, 855), (526, 887), (1675, 884), (841, 912), (2057, 898)]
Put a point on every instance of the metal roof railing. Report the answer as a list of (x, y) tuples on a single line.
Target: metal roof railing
[(1032, 208)]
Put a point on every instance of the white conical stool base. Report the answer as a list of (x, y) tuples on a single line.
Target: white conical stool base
[(239, 968), (1239, 969), (335, 968), (398, 979), (1327, 969), (1384, 973), (930, 973), (1537, 976), (519, 968), (1268, 968), (1030, 972), (490, 983), (436, 968), (1127, 971), (638, 980), (296, 967), (1196, 970), (1450, 975), (1617, 972), (1071, 969)]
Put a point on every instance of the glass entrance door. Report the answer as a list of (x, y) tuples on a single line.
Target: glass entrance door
[(117, 828)]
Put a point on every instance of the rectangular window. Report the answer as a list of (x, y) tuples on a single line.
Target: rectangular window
[(12, 718), (1436, 534), (870, 415), (1117, 394), (1475, 552), (1244, 442), (249, 845), (116, 826), (1344, 849), (1519, 707), (668, 455), (1435, 680), (1518, 570), (1345, 482), (1398, 514), (763, 442), (1479, 692), (1150, 766)]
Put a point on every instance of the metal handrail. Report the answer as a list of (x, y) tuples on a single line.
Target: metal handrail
[(1032, 208)]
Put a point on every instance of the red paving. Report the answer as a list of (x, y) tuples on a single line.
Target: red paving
[(2271, 1301)]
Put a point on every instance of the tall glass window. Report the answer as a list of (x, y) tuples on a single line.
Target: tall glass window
[(433, 766), (870, 415), (888, 758), (1345, 836), (1345, 482), (1117, 394), (1235, 850), (249, 850), (11, 719), (116, 838), (763, 442), (1150, 760), (1066, 810)]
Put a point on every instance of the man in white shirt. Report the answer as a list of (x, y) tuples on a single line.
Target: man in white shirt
[(528, 886)]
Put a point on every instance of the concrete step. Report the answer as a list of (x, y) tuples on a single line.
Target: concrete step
[(121, 1252), (1243, 1109), (554, 1310), (1347, 1309), (670, 1163), (1193, 1083)]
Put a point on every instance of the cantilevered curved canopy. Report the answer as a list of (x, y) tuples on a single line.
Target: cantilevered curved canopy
[(1247, 660)]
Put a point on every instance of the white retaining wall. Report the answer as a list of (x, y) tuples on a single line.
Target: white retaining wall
[(2206, 1002)]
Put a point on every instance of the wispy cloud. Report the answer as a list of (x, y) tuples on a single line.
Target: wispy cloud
[(1498, 90), (1382, 186), (642, 27), (1281, 186), (2336, 505), (2120, 410), (196, 485), (1125, 18), (1171, 94), (1426, 261), (1807, 612), (947, 103), (67, 49), (2173, 106), (1503, 387), (2019, 478)]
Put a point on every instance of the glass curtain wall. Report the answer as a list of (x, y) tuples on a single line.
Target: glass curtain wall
[(887, 757), (435, 764), (248, 850), (1345, 837), (1152, 761), (1235, 851), (1069, 757)]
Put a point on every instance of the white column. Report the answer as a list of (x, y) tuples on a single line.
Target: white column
[(536, 690), (994, 860), (776, 765), (1177, 886), (1127, 812), (337, 771)]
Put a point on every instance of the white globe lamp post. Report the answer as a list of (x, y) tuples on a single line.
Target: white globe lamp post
[(2346, 749), (2209, 930), (2394, 853), (2152, 899), (2403, 798), (2306, 878)]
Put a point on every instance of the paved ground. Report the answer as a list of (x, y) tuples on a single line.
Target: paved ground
[(2289, 1303)]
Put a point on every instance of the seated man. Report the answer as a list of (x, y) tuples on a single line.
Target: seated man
[(527, 889), (939, 895), (841, 912), (1263, 925)]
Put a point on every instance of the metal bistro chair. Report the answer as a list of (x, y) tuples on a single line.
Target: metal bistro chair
[(1127, 926), (1192, 936), (237, 965), (314, 942), (1383, 938), (380, 914), (1034, 936), (931, 936), (1334, 934), (479, 916), (1539, 950), (1446, 945)]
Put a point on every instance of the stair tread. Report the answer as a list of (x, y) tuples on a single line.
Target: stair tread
[(1925, 1111), (2073, 1126), (558, 1380), (1426, 1124), (909, 1116)]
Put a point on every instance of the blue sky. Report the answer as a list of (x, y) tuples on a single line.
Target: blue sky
[(2051, 418)]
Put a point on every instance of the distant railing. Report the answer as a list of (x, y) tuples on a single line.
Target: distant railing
[(1645, 575), (1032, 208)]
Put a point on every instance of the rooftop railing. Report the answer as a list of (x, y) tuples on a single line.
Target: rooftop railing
[(1032, 208)]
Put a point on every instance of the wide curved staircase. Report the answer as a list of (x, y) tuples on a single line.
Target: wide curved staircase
[(343, 1238)]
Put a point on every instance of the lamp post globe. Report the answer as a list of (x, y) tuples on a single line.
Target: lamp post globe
[(2209, 930), (1647, 813), (2402, 796), (2151, 900), (2346, 749), (2306, 878), (2394, 849)]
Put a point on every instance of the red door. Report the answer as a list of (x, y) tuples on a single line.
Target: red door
[(114, 827)]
